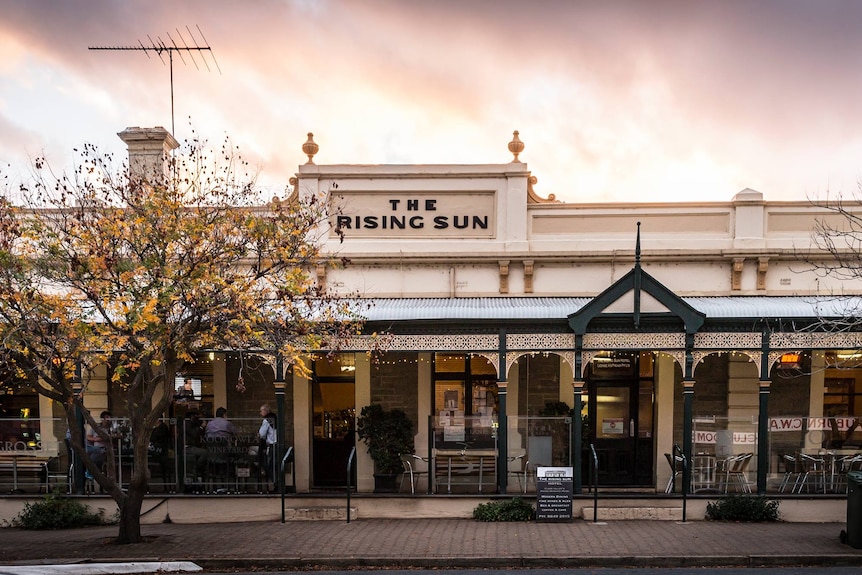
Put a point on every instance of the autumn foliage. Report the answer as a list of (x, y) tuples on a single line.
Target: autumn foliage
[(141, 270)]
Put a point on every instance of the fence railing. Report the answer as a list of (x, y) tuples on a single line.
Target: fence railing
[(805, 455)]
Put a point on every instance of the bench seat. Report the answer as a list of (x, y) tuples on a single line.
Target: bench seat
[(30, 469)]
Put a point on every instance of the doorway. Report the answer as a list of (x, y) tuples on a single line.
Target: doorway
[(620, 415), (333, 400)]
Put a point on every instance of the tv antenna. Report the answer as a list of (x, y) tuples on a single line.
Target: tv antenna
[(160, 47)]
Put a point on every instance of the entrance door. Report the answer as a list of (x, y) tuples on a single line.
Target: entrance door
[(620, 418), (333, 405), (615, 408)]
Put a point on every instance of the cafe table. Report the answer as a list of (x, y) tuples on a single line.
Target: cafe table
[(15, 455), (703, 472), (469, 456)]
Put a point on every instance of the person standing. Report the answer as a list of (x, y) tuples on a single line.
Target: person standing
[(268, 437), (186, 391)]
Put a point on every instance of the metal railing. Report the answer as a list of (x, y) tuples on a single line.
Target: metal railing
[(288, 456), (677, 452), (594, 479), (350, 463)]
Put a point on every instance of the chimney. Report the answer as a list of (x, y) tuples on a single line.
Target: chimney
[(149, 151)]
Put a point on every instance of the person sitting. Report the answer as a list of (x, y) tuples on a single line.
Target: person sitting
[(220, 437), (221, 428), (159, 450), (196, 455), (97, 444)]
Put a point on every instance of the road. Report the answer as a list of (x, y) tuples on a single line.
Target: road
[(594, 571)]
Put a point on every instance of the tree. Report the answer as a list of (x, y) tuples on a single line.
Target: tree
[(142, 269), (836, 254)]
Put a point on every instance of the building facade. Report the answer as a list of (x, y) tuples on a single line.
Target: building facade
[(608, 335)]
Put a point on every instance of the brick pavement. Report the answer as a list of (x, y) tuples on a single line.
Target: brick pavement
[(445, 543)]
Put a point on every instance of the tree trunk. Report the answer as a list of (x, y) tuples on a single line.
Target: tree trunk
[(130, 520), (130, 509)]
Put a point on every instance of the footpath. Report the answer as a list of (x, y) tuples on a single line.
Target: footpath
[(438, 543)]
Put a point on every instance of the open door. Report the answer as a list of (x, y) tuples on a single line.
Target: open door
[(620, 416), (334, 418)]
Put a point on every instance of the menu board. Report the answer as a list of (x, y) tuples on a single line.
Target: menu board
[(554, 494)]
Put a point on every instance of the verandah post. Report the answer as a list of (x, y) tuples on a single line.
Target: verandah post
[(502, 420), (279, 384)]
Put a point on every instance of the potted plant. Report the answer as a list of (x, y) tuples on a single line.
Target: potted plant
[(388, 434)]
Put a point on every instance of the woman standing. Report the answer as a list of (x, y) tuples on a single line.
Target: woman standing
[(266, 449)]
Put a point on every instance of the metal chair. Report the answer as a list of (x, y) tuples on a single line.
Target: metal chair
[(407, 462), (793, 470), (846, 465), (814, 468), (676, 466), (61, 469), (736, 471), (522, 467)]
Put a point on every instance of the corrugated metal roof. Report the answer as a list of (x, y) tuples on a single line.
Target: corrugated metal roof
[(396, 309), (386, 309), (776, 306)]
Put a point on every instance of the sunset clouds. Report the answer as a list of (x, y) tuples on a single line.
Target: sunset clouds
[(616, 101)]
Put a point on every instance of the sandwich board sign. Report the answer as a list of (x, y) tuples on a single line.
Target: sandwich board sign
[(554, 494)]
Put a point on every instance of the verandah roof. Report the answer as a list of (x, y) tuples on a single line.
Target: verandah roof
[(543, 308)]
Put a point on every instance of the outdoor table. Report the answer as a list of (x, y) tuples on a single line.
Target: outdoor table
[(15, 456), (466, 454), (703, 472)]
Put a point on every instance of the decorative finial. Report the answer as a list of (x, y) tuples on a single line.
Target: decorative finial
[(516, 146), (309, 148), (638, 246)]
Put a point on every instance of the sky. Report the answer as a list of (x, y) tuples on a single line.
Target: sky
[(615, 100)]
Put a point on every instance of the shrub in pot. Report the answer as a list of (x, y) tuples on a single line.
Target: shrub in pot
[(388, 433)]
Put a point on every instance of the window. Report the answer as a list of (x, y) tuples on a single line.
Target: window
[(840, 398), (465, 383)]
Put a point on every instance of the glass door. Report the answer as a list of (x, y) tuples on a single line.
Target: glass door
[(620, 416), (334, 418), (615, 408)]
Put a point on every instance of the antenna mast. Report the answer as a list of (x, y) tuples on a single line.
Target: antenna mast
[(160, 47)]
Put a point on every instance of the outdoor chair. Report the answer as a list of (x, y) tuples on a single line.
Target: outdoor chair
[(518, 467), (736, 471), (58, 471), (814, 469), (793, 471), (408, 462), (676, 466), (219, 474), (845, 466)]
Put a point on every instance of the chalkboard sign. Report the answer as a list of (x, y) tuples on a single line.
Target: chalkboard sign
[(554, 494)]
